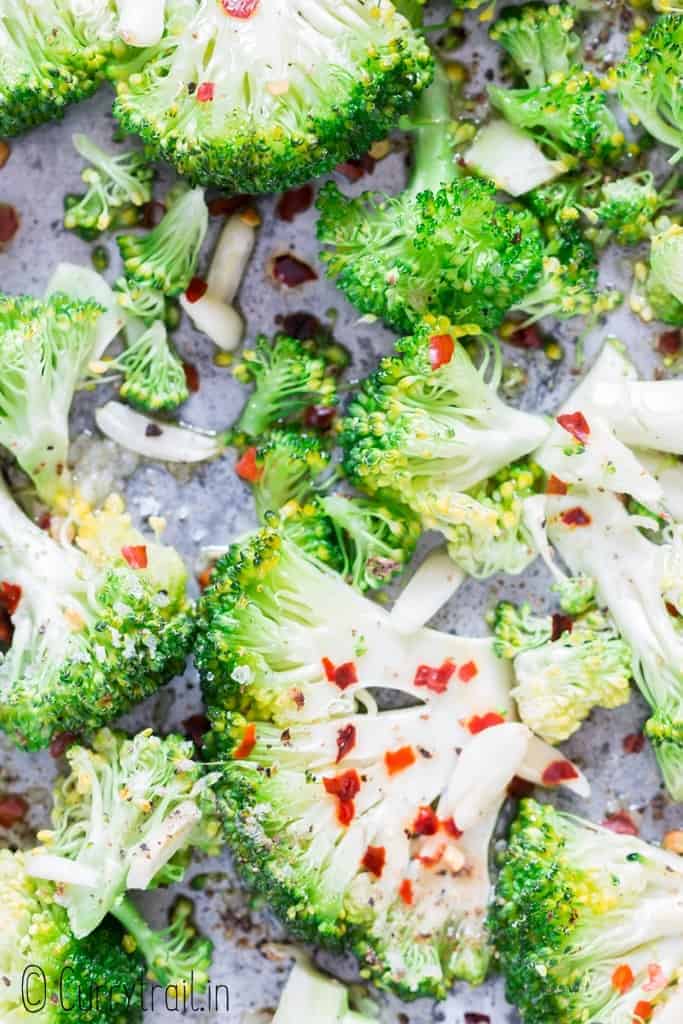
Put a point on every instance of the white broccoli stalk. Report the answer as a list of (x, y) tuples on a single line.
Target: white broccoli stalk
[(430, 587)]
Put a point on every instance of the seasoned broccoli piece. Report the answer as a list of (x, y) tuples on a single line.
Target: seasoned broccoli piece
[(539, 39), (566, 115), (36, 934), (141, 301), (116, 183), (252, 98), (45, 349), (577, 594), (587, 923), (444, 246), (95, 630), (563, 201), (664, 287), (166, 257), (125, 817), (287, 466), (288, 375), (309, 994), (629, 205), (53, 54), (154, 376), (649, 81), (561, 678)]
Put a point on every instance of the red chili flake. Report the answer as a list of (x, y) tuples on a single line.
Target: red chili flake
[(196, 289), (557, 772), (205, 92), (426, 823), (345, 786), (519, 788), (205, 576), (622, 979), (643, 1011), (10, 596), (477, 1018), (669, 343), (61, 743), (346, 741), (441, 349), (345, 675), (9, 223), (247, 467), (561, 624), (291, 271), (354, 170), (672, 610), (398, 760), (468, 671), (374, 860), (346, 812), (526, 337), (191, 377), (247, 743), (657, 979), (45, 522), (152, 214), (478, 723), (622, 823), (329, 669), (136, 556), (320, 417), (576, 517), (6, 631), (225, 206), (405, 891), (633, 743), (555, 485), (450, 828), (239, 8), (195, 728), (294, 202), (435, 679), (576, 424), (12, 810)]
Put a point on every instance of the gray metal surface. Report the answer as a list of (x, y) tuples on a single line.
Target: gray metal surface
[(210, 505)]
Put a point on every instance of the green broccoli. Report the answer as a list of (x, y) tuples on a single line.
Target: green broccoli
[(166, 257), (287, 466), (629, 205), (540, 40), (154, 376), (587, 923), (649, 81), (444, 246), (252, 105), (117, 183), (98, 626), (309, 994), (576, 594), (561, 678), (664, 286), (140, 301)]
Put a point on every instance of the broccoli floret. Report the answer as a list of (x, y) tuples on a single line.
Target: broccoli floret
[(141, 301), (97, 627), (517, 628), (664, 285), (288, 375), (539, 39), (116, 182), (566, 115), (36, 934), (629, 205), (428, 429), (287, 466), (649, 81), (562, 202), (166, 258), (52, 55), (154, 376), (45, 348), (318, 997), (336, 79), (444, 246), (577, 594), (586, 922)]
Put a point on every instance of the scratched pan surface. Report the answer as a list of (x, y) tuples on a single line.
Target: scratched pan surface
[(210, 505)]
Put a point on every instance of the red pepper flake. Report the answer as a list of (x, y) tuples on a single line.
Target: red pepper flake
[(345, 786), (152, 214), (191, 377), (561, 624), (477, 1018), (643, 1012), (576, 517), (346, 741), (435, 679), (555, 485), (45, 522), (247, 468), (672, 610), (12, 810), (291, 271), (669, 343), (195, 727), (374, 860), (398, 760), (405, 891), (622, 823), (426, 823), (136, 556), (354, 170), (441, 349), (478, 723), (239, 8), (295, 201), (519, 788), (205, 92), (557, 772), (205, 576), (451, 829), (10, 596), (526, 337), (633, 743), (196, 289), (346, 812), (576, 424), (247, 743), (6, 631), (225, 206), (657, 979), (320, 417), (61, 743), (622, 979), (345, 675), (468, 671), (9, 223), (329, 668)]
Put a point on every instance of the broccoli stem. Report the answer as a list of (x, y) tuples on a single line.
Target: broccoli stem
[(433, 164)]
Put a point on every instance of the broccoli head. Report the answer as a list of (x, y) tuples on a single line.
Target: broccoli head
[(287, 466), (117, 183), (153, 375), (664, 287), (540, 40), (98, 625), (628, 207), (337, 78), (587, 923)]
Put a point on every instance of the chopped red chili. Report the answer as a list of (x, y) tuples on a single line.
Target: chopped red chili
[(576, 517), (622, 823), (294, 202), (61, 743), (191, 377), (398, 760), (478, 723), (9, 223), (622, 979), (345, 786), (346, 741), (136, 556), (354, 170), (405, 891), (247, 744), (426, 823), (559, 771), (13, 809), (561, 624), (247, 467), (468, 671), (441, 349), (633, 743), (320, 417), (450, 828), (477, 1018), (669, 343), (329, 668), (528, 337), (205, 92), (239, 8), (291, 271), (576, 424), (196, 289), (345, 675), (346, 812), (374, 860), (555, 485), (643, 1012), (10, 596), (435, 679), (225, 206)]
